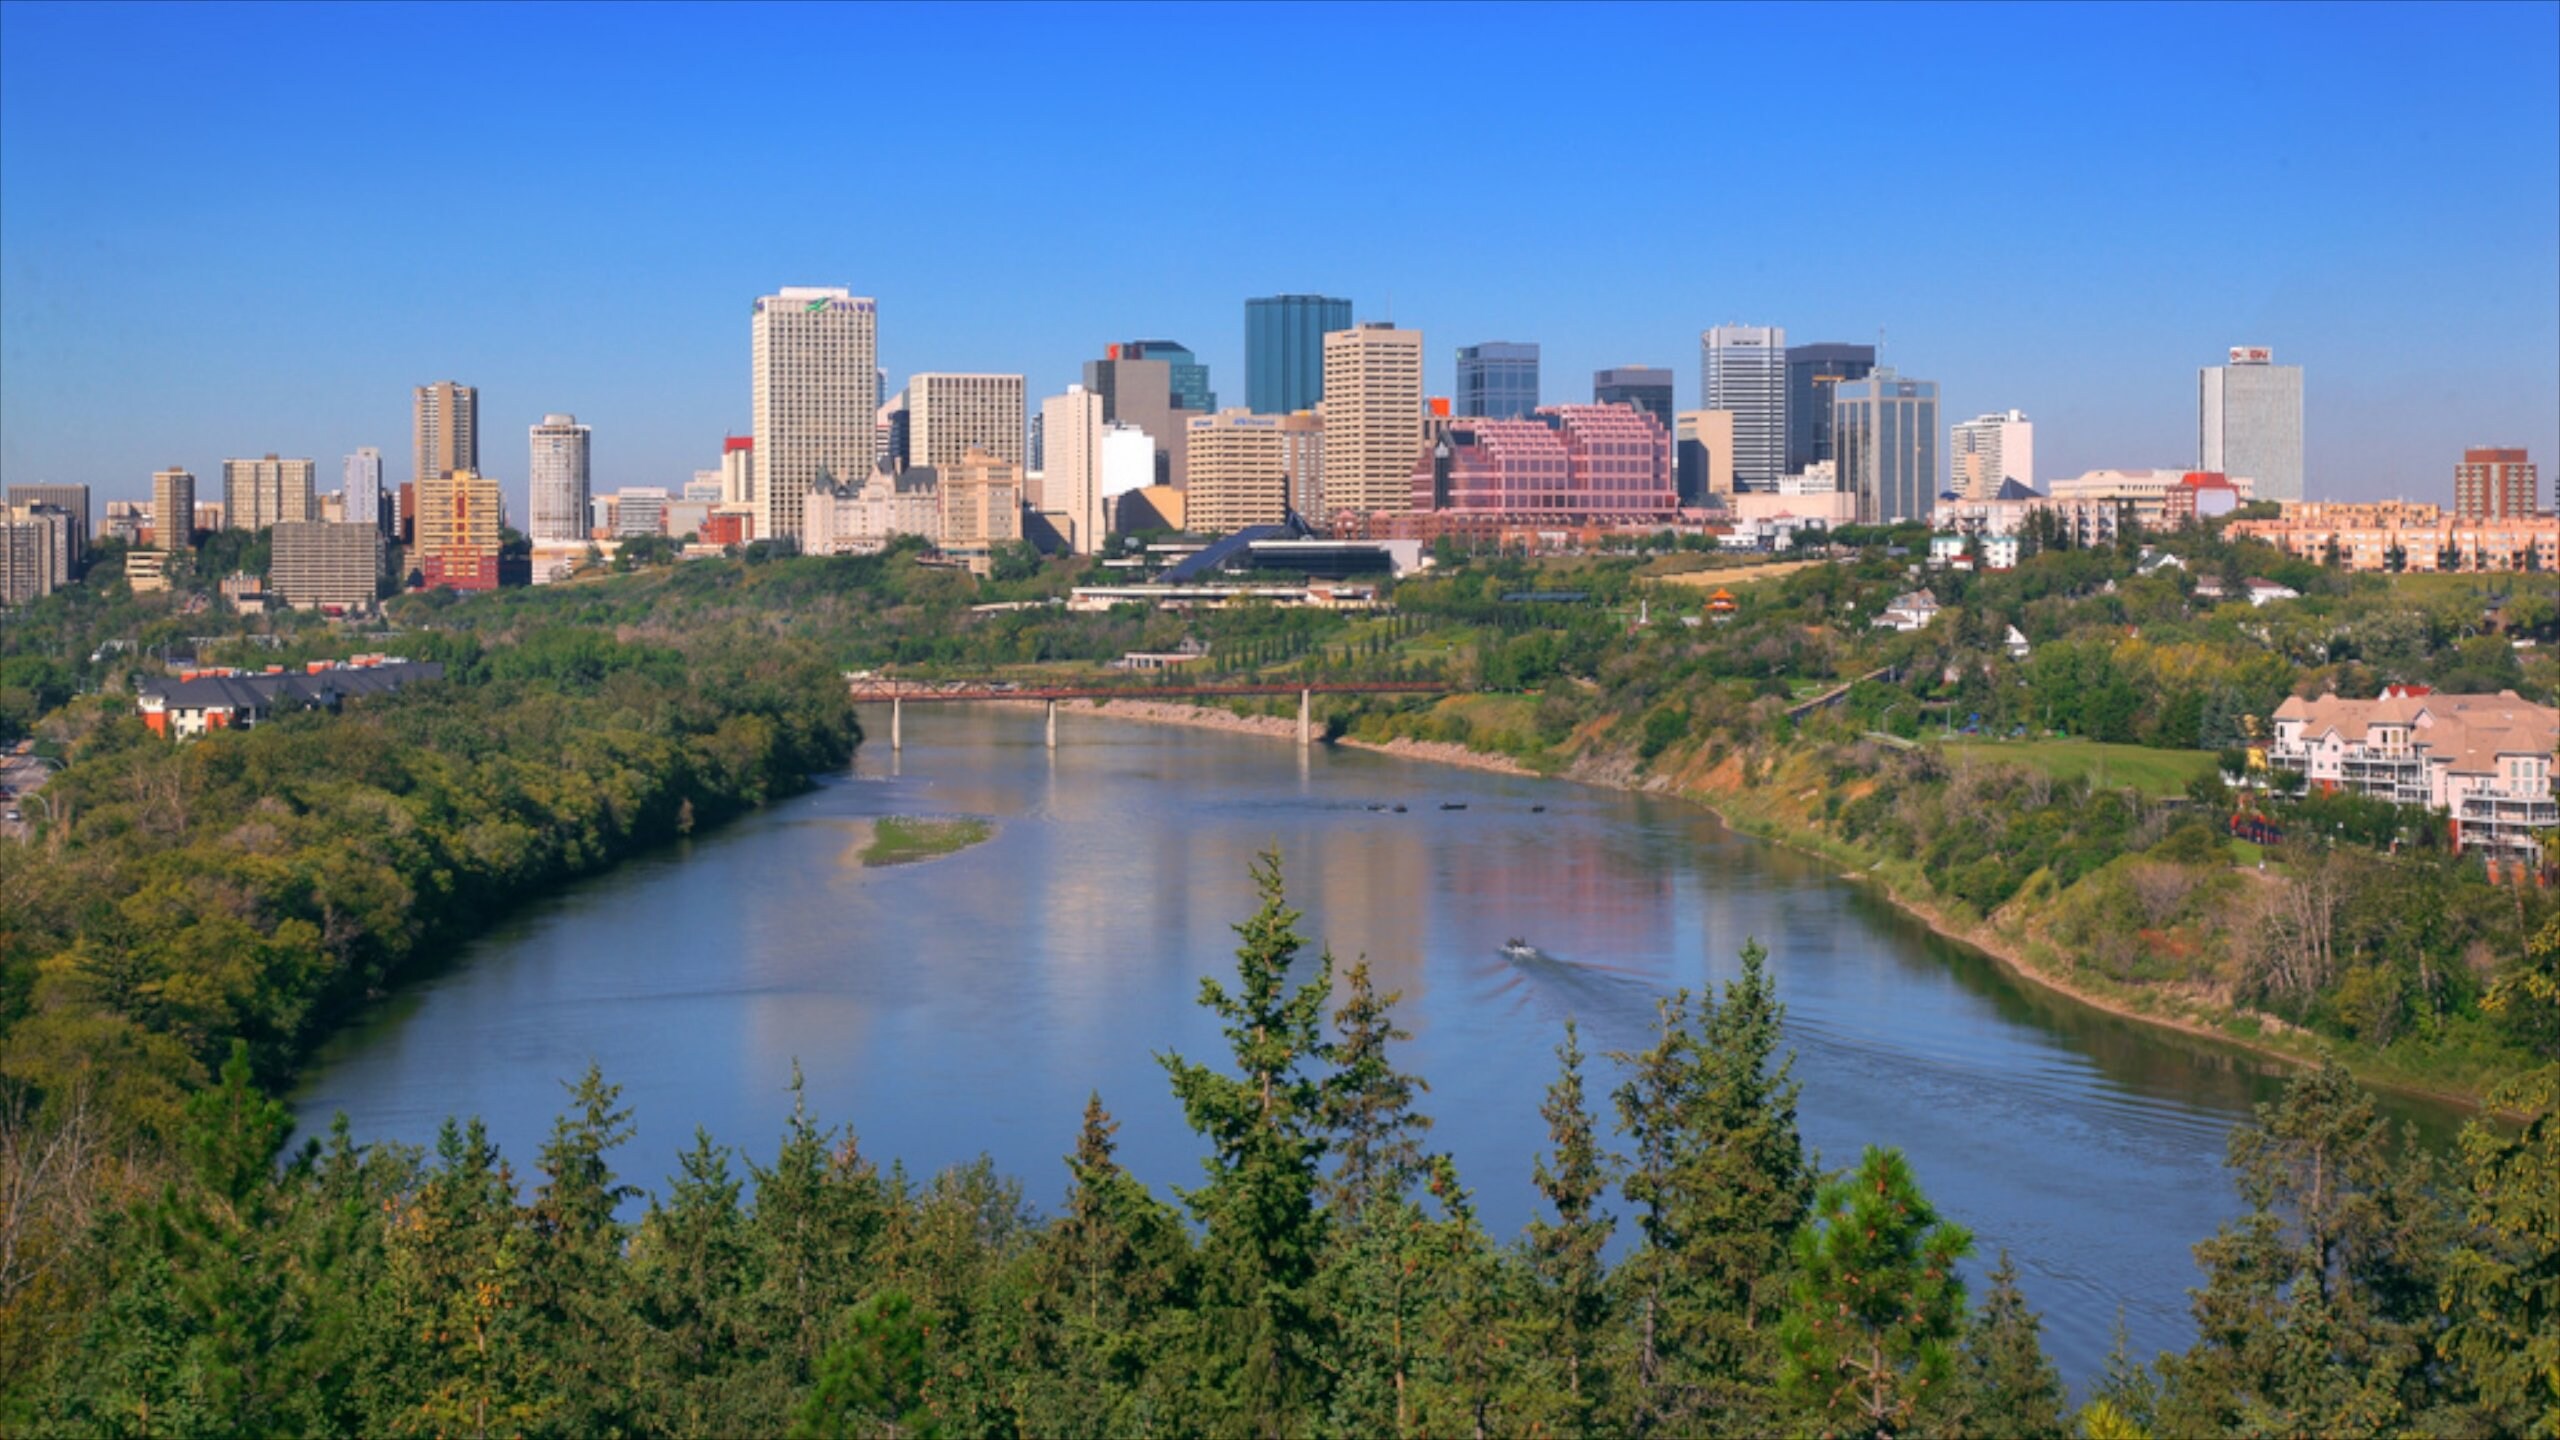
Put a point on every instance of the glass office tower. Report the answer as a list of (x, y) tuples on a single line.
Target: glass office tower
[(1284, 350)]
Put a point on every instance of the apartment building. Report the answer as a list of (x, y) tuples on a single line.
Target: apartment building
[(1372, 417), (2482, 761), (949, 415), (317, 564)]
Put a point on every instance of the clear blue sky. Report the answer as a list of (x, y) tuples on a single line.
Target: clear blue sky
[(229, 230)]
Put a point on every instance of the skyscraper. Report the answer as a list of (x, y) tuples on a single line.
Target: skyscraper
[(1140, 392), (2249, 421), (361, 481), (1646, 387), (817, 397), (173, 509), (445, 429), (1988, 449), (1702, 454), (1372, 418), (947, 414), (459, 513), (561, 484), (1186, 378), (2488, 485), (1743, 369), (1886, 428), (1497, 380), (1249, 469), (257, 494), (71, 500), (1812, 370), (1284, 350), (1071, 480)]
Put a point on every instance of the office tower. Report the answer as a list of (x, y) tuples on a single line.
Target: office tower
[(560, 485), (981, 504), (1129, 459), (640, 510), (1187, 379), (1372, 418), (459, 515), (947, 414), (738, 470), (1702, 454), (173, 509), (1284, 350), (1645, 387), (1497, 380), (1036, 447), (1071, 481), (1239, 471), (445, 428), (361, 490), (317, 563), (817, 398), (1744, 370), (1886, 428), (71, 500), (1988, 449), (257, 494), (2249, 422), (2488, 485), (1812, 371), (1569, 464)]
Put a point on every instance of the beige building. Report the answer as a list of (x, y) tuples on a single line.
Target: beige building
[(817, 384), (444, 429), (258, 494), (981, 506), (2146, 492), (2482, 760), (2404, 535), (1071, 429), (458, 515), (173, 509), (1372, 412), (1702, 453), (948, 415), (1249, 469), (317, 563), (147, 571)]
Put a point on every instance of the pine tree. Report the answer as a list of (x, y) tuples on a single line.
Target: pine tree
[(819, 1212), (2504, 1281), (2006, 1388), (1376, 1278), (690, 1273), (1568, 1254), (1377, 1134), (1109, 1278), (575, 1275), (1877, 1303)]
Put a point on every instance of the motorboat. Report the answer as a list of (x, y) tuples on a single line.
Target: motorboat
[(1519, 949)]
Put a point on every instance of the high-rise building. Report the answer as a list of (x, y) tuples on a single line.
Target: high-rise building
[(738, 470), (173, 509), (1702, 454), (1186, 378), (560, 482), (2249, 422), (445, 426), (70, 499), (317, 563), (1743, 369), (1646, 387), (1249, 469), (35, 551), (459, 517), (257, 494), (1812, 371), (1071, 428), (1886, 428), (1139, 391), (1988, 449), (817, 398), (361, 493), (1372, 418), (2489, 484), (1284, 350), (947, 414), (1497, 380), (1569, 464)]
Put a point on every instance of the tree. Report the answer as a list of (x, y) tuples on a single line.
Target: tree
[(1376, 1132), (2503, 1281), (1568, 1253), (1876, 1302), (871, 1384), (2005, 1387), (575, 1274)]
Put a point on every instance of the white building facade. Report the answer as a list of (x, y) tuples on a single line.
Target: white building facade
[(1987, 449), (561, 483), (1743, 368), (2249, 422), (1071, 478)]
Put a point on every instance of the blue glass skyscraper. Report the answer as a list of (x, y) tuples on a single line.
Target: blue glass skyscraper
[(1284, 350), (1497, 380)]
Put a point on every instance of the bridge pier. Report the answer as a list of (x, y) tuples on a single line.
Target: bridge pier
[(1053, 724), (1306, 718), (897, 727)]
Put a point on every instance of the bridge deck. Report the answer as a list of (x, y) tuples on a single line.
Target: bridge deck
[(922, 692)]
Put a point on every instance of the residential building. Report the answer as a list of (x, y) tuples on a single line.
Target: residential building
[(2143, 495), (1646, 387), (2249, 422), (1249, 469), (1284, 350), (981, 506), (72, 500), (128, 521), (186, 705), (361, 496), (2489, 484), (949, 414), (816, 397), (1988, 449), (1702, 454), (315, 564), (257, 494), (459, 516), (1497, 380), (1886, 429), (561, 484), (2396, 535), (1372, 417), (1907, 612), (147, 571), (445, 429), (2482, 761), (173, 508), (1071, 429), (2008, 512), (36, 549), (1812, 372), (1743, 370), (1568, 465), (738, 471)]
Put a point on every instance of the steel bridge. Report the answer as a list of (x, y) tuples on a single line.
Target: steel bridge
[(898, 694)]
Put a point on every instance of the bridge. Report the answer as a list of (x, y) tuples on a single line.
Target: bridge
[(898, 694)]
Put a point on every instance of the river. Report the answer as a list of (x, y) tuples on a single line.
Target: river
[(969, 1003)]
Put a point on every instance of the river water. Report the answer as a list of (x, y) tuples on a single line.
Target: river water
[(968, 1004)]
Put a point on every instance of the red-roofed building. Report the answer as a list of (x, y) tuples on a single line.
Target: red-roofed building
[(2199, 494)]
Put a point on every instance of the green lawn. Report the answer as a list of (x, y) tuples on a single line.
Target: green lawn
[(904, 839), (2153, 772)]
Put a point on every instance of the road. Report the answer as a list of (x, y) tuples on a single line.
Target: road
[(21, 776)]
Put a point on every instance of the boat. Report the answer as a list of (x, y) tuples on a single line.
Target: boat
[(1537, 809), (1453, 805), (1519, 949), (1399, 809)]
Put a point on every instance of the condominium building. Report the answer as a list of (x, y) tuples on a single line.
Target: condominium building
[(1813, 371), (2249, 422), (560, 481), (1702, 454), (1988, 449), (2489, 484), (2483, 761), (459, 513), (1249, 469), (1886, 429), (1569, 465), (1372, 417), (2398, 535), (1646, 387), (1497, 380), (981, 506), (70, 499), (361, 495), (257, 494), (36, 550), (1071, 427), (318, 564), (173, 508), (817, 396), (947, 415), (445, 429), (1743, 370), (1284, 350)]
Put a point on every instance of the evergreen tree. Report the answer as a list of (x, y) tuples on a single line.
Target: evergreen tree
[(2005, 1387), (1568, 1254), (575, 1276), (819, 1211), (464, 1354), (1377, 1277), (1878, 1304), (1376, 1132), (690, 1272), (871, 1384)]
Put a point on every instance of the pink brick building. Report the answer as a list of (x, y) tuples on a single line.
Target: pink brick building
[(1568, 464)]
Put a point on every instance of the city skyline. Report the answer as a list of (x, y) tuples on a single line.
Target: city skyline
[(2320, 186)]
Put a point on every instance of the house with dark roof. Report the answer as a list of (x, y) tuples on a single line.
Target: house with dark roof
[(191, 702)]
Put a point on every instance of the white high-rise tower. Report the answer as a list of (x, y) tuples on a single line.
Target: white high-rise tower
[(1743, 369), (2249, 421), (361, 499), (817, 385), (561, 485)]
